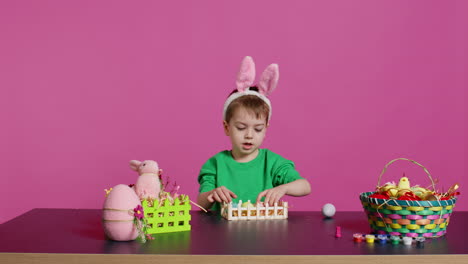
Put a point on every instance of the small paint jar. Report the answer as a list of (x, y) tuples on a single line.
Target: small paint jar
[(420, 242), (370, 238), (420, 239), (382, 239), (357, 237), (407, 241), (395, 239)]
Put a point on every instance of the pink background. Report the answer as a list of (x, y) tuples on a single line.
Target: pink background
[(87, 86)]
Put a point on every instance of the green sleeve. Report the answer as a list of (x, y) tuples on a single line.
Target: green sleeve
[(285, 173), (207, 176)]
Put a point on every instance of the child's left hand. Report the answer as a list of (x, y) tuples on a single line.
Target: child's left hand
[(273, 195)]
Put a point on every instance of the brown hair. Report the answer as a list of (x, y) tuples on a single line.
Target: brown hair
[(250, 102)]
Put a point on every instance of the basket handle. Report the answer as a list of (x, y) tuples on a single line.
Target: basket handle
[(424, 168)]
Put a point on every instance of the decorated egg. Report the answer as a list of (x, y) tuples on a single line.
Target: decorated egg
[(393, 192), (328, 210), (248, 203), (117, 213), (403, 192)]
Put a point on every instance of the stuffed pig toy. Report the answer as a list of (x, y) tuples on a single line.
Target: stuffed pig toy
[(148, 184)]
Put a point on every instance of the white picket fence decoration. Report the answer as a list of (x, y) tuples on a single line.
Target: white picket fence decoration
[(251, 212)]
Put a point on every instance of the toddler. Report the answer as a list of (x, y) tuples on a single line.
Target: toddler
[(247, 172)]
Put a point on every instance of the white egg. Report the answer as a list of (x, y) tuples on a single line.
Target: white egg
[(328, 210)]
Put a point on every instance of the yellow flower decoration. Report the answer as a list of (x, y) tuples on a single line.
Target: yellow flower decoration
[(107, 191)]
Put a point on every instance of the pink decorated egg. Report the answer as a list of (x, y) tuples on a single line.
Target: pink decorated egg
[(117, 213)]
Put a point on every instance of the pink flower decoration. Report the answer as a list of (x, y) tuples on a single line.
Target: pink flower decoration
[(138, 212)]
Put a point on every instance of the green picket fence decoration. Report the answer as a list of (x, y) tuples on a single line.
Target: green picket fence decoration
[(168, 217)]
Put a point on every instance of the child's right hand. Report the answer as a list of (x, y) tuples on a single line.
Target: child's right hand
[(221, 194)]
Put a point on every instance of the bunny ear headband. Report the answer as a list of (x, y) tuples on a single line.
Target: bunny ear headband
[(245, 79)]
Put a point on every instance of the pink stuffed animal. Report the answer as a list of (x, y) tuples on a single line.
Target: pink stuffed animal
[(148, 184)]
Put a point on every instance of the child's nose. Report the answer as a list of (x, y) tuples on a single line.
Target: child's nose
[(248, 133)]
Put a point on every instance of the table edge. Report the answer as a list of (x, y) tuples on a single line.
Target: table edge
[(226, 259)]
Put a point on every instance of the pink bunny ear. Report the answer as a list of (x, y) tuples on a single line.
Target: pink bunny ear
[(135, 164), (246, 75), (269, 79)]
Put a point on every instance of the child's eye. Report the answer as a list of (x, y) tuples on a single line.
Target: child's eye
[(259, 129), (240, 128)]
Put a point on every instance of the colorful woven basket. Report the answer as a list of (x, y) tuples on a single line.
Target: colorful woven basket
[(407, 218)]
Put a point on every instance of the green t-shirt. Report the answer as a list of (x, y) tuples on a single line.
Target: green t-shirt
[(247, 179)]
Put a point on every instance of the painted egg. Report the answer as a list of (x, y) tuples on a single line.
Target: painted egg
[(245, 204), (393, 192), (328, 210), (117, 213)]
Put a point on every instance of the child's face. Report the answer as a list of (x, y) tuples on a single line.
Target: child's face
[(246, 133)]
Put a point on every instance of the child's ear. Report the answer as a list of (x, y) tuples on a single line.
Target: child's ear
[(226, 128)]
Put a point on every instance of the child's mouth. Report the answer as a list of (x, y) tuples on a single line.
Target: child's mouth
[(247, 146)]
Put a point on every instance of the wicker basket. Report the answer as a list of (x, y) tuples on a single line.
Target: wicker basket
[(407, 218)]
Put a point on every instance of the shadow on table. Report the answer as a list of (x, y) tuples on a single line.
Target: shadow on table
[(167, 243)]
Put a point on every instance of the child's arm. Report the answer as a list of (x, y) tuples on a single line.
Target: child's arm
[(220, 194), (299, 187)]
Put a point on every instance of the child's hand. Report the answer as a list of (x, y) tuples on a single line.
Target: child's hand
[(273, 195), (221, 194)]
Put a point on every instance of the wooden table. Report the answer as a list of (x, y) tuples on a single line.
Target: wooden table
[(76, 236)]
